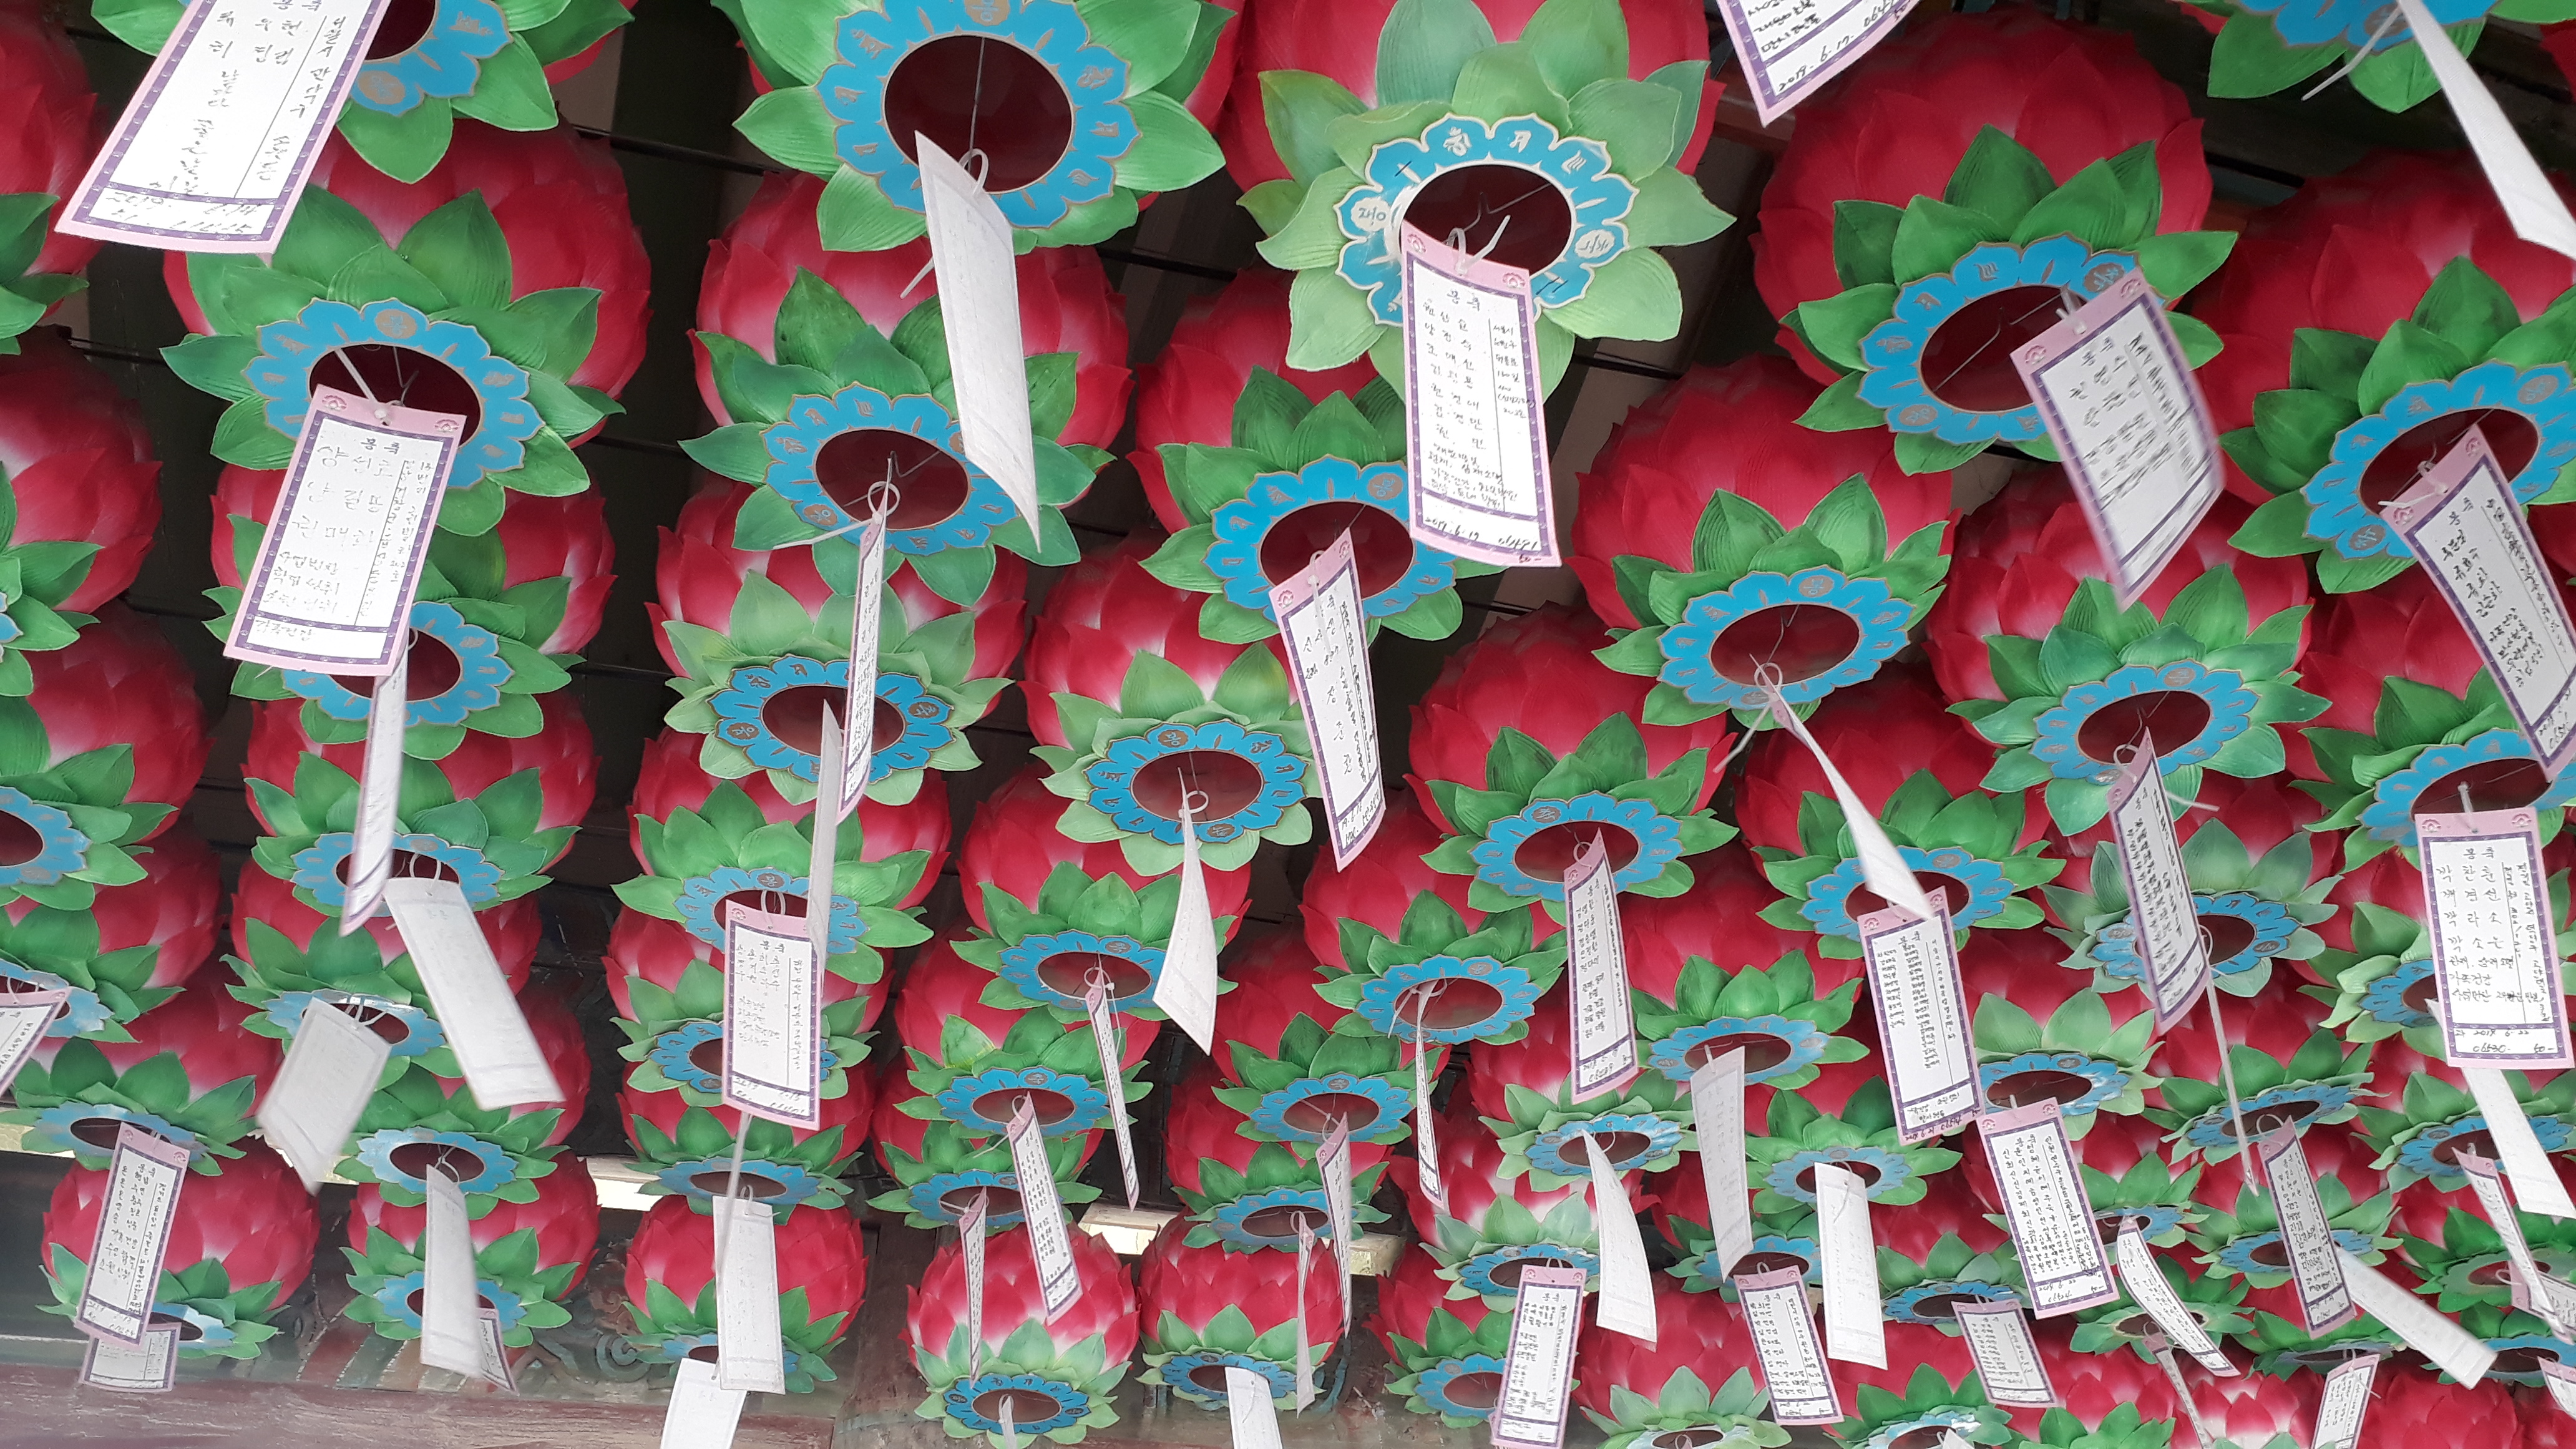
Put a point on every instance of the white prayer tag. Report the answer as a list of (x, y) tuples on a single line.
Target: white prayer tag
[(1913, 965), (1784, 1339), (1717, 1121), (2495, 958), (2164, 1356), (1426, 1143), (2006, 1352), (1627, 1303), (2554, 1301), (1605, 1024), (494, 1047), (2168, 938), (1788, 50), (380, 772), (133, 1233), (773, 1026), (749, 1352), (2119, 400), (1882, 865), (2345, 1400), (331, 1069), (1538, 1370), (1325, 632), (2530, 1291), (2148, 1288), (1255, 1420), (2464, 524), (24, 1018), (1333, 1162), (701, 1416), (1305, 1339), (2532, 204), (2561, 1379), (1855, 1324), (979, 300), (1186, 988), (449, 1294), (213, 152), (2453, 1349), (2535, 1180), (152, 1368), (859, 699), (822, 855), (2307, 1235), (1104, 1036), (333, 584), (1050, 1251), (1475, 420), (970, 1241), (2051, 1219), (497, 1369)]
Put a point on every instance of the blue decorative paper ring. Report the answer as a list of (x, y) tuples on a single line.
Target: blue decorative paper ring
[(494, 1167), (318, 867), (964, 1100), (395, 1300), (1658, 838), (1177, 1370), (796, 445), (1929, 1304), (1279, 1114), (1113, 779), (704, 1178), (282, 372), (446, 61), (2543, 397), (1942, 1424), (1689, 645), (702, 895), (421, 1033), (56, 1129), (742, 716), (1233, 1220), (673, 1347), (2385, 998), (2115, 949), (480, 673), (82, 1011), (1891, 356), (960, 1399), (2104, 1079), (1433, 1385), (1387, 1002), (928, 1198), (2390, 815), (2061, 745), (1496, 1272), (1659, 1138), (1885, 1171), (1827, 907), (2353, 22), (2239, 1256), (1024, 966), (2420, 1153), (1242, 526)]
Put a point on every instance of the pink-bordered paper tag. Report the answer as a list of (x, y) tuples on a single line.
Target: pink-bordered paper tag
[(1605, 1021), (1042, 1212), (2006, 1352), (1775, 1310), (859, 695), (151, 1367), (1325, 632), (1538, 1369), (2167, 935), (337, 570), (2121, 404), (2051, 1220), (2340, 1409), (773, 1026), (2307, 1235), (143, 1186), (1922, 1009), (1475, 421), (2496, 976), (25, 1017), (1789, 49), (213, 152)]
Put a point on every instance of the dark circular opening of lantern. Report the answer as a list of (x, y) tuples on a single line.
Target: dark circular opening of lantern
[(1930, 1436), (404, 375), (420, 1159), (1620, 1148), (1547, 853), (795, 716), (1070, 973), (1380, 544), (1002, 1103), (1800, 640), (971, 91), (418, 1296), (752, 1183), (1769, 1261), (430, 669), (1209, 1376), (2479, 1143), (2174, 716), (2227, 934), (374, 1018), (1475, 200), (408, 865), (708, 1056), (1027, 1406), (1968, 360), (1508, 1275), (2509, 434), (1867, 1174), (2038, 1084), (20, 842), (1949, 890), (1231, 783), (1684, 1439), (1479, 1390), (1462, 1002), (2490, 785), (776, 903), (2278, 1115), (999, 1202), (930, 486), (189, 1332), (1319, 1112), (1281, 1223), (406, 22)]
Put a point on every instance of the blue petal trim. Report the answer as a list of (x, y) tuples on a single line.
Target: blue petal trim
[(1071, 1403), (1828, 909), (317, 868), (2231, 713), (1880, 616), (1022, 963), (1113, 779), (481, 673), (813, 422), (1241, 525), (82, 1011), (64, 847), (377, 1149), (1090, 1103), (1383, 1006), (700, 894), (2390, 815), (1658, 841), (1392, 1103), (288, 350), (446, 61), (1891, 355)]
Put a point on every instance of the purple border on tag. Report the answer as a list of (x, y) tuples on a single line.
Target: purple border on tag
[(2131, 572), (1590, 861), (81, 220), (2321, 1312), (1771, 102), (167, 1351), (2367, 1366), (1826, 1408), (1889, 922), (2045, 1396), (2141, 771), (132, 1143), (1494, 279), (2469, 462), (1565, 1284), (2049, 1118), (739, 917), (17, 1001), (1294, 595), (346, 410), (2482, 827)]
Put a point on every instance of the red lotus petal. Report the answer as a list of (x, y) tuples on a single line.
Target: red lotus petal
[(1879, 733), (564, 1218), (670, 781), (1013, 843), (1194, 1285), (1104, 1311), (561, 754), (49, 122), (202, 1027), (171, 910), (1102, 613), (819, 1250), (121, 682), (513, 929)]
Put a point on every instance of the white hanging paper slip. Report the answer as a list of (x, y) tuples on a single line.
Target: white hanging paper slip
[(749, 1351), (332, 586), (1051, 1252), (1333, 1163), (2495, 958), (1882, 865), (1922, 1008), (1627, 1303), (1538, 1370), (1255, 1420), (449, 1337), (1426, 1142), (332, 1066), (2051, 1220), (143, 1185), (773, 1026), (2469, 531), (2345, 1400), (2530, 1286), (2147, 1286), (857, 752), (2452, 1348), (1305, 1339), (1784, 1339), (1475, 420), (1717, 1121), (2535, 1181), (2006, 1353), (1605, 1022), (979, 301), (151, 1368), (1186, 988), (2537, 213), (1855, 1325), (380, 772), (2119, 400), (494, 1351), (2307, 1235), (1104, 1036), (494, 1047), (970, 1242), (701, 1415), (2164, 1356), (822, 852), (213, 152), (24, 1018), (1788, 49), (1325, 633), (2561, 1381), (2168, 937)]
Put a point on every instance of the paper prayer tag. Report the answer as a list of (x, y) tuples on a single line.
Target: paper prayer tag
[(2536, 1186), (1475, 421), (450, 1292), (1325, 634), (143, 1186), (2529, 1291), (1914, 986), (1717, 1123), (1882, 865), (380, 772), (332, 1067), (213, 152), (2120, 401), (2167, 935), (979, 301), (2006, 1353), (2495, 956), (2147, 1287), (2051, 1219), (494, 1048), (823, 850), (701, 1415), (2343, 1404), (970, 1241), (1042, 1209), (2534, 206), (1254, 1419), (2560, 1378), (1855, 1323), (773, 1026), (2307, 1235), (1605, 1022), (1775, 1310), (2164, 1357), (25, 1017), (749, 1351), (1427, 1176), (1186, 988), (1627, 1303), (2454, 1349), (1787, 50), (150, 1368), (857, 753), (1104, 1036), (332, 586), (1333, 1162), (1538, 1369)]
